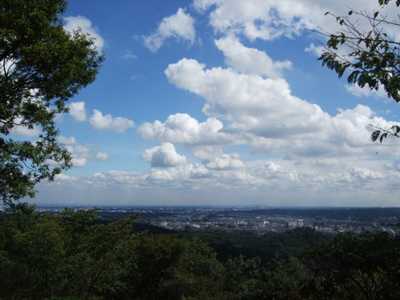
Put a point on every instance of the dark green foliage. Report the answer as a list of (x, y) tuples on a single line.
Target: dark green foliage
[(41, 67), (62, 255), (384, 2), (172, 268), (250, 280), (71, 255), (356, 267), (286, 244)]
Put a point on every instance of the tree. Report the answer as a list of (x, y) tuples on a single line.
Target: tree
[(41, 67), (171, 268), (64, 256), (362, 266), (75, 255), (372, 56)]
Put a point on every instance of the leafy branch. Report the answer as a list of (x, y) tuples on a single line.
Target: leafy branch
[(372, 56), (381, 133)]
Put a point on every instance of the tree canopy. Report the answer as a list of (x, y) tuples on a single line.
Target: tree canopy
[(73, 254), (371, 56), (41, 67)]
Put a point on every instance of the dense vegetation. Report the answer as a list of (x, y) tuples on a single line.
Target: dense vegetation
[(71, 255), (286, 244)]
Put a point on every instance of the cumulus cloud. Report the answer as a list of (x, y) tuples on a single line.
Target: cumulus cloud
[(217, 160), (182, 128), (266, 20), (327, 162), (250, 60), (21, 130), (358, 91), (366, 174), (67, 141), (394, 165), (78, 111), (235, 96), (178, 26), (164, 156), (64, 178), (80, 22), (270, 19), (79, 161), (269, 117), (252, 104), (99, 122), (317, 50), (81, 153), (101, 156)]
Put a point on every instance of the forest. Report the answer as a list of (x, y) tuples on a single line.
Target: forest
[(74, 255)]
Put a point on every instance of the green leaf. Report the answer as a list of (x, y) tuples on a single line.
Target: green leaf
[(383, 136), (375, 135)]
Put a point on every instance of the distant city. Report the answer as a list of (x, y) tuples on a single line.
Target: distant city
[(255, 220)]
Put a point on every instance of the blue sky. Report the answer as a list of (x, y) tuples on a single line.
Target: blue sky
[(221, 102)]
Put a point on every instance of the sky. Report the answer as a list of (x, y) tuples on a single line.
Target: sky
[(221, 102)]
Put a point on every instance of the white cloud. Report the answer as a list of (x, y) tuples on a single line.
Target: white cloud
[(271, 182), (182, 128), (118, 124), (83, 150), (81, 154), (366, 174), (217, 160), (164, 156), (22, 130), (64, 178), (178, 26), (394, 165), (270, 19), (327, 162), (101, 156), (267, 117), (129, 55), (80, 22), (251, 103), (266, 19), (78, 111), (67, 141), (317, 50), (79, 161), (250, 60), (358, 91)]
